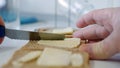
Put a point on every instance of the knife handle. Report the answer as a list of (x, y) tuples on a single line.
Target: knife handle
[(2, 31)]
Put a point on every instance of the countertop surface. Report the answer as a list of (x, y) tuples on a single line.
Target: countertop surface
[(9, 46)]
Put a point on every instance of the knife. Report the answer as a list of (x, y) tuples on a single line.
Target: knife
[(28, 35)]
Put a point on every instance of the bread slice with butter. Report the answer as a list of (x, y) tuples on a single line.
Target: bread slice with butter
[(66, 43), (50, 54), (30, 56), (67, 30), (26, 58), (54, 57), (51, 58)]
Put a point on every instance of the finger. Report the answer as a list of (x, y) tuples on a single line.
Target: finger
[(95, 17), (100, 50), (86, 20), (1, 24), (91, 32)]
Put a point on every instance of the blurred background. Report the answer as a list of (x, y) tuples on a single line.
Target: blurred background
[(33, 14)]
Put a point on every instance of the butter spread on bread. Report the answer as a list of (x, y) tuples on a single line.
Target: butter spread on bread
[(54, 57), (67, 43)]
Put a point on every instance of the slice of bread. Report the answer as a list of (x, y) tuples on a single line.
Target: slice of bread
[(63, 59), (68, 30), (26, 58), (29, 57), (54, 57), (66, 43), (50, 54), (77, 60)]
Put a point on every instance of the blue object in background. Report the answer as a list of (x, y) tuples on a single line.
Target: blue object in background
[(28, 20), (7, 13), (8, 16)]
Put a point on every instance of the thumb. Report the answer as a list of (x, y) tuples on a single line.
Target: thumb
[(99, 50)]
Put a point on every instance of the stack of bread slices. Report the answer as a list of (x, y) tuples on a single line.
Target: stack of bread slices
[(51, 53)]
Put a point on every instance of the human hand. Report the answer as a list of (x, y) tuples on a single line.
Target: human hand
[(1, 30), (102, 25)]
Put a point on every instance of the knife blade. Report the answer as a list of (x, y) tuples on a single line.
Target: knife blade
[(29, 35)]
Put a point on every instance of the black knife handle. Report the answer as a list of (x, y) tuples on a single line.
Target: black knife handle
[(2, 31)]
